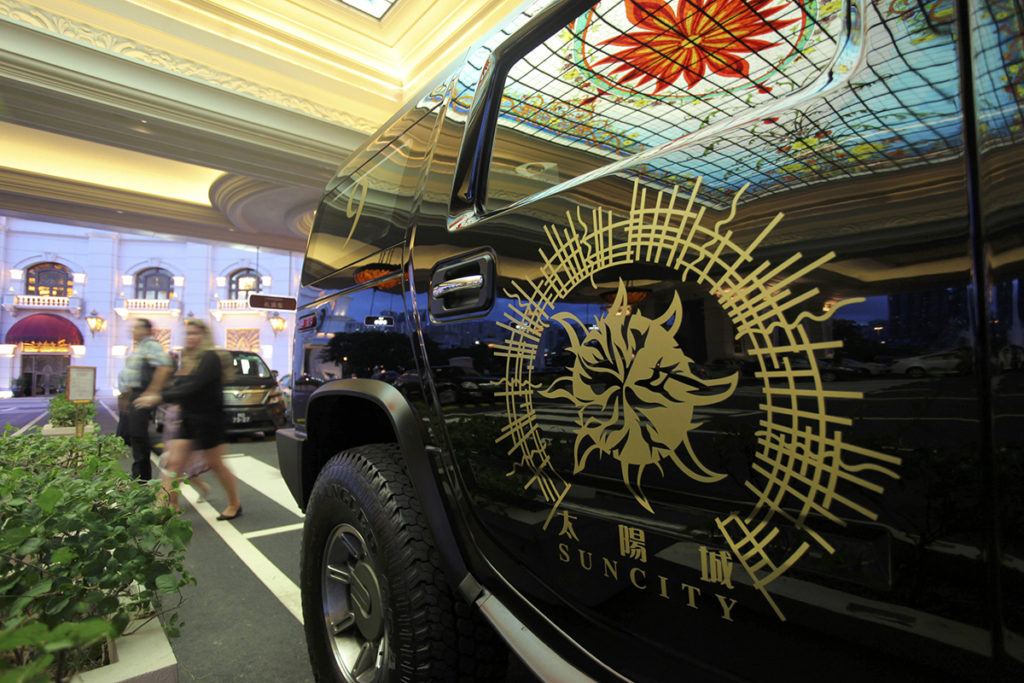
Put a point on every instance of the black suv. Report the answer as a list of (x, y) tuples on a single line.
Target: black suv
[(596, 202)]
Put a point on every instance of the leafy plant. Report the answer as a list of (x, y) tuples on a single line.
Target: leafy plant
[(84, 551), (62, 411)]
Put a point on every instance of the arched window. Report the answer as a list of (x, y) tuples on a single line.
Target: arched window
[(242, 282), (49, 279), (154, 283)]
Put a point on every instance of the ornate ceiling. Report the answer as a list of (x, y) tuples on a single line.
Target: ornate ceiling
[(212, 119)]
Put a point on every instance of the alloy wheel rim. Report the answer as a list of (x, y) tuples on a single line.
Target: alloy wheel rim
[(353, 607)]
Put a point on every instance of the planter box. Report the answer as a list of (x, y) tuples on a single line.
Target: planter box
[(143, 657), (50, 430)]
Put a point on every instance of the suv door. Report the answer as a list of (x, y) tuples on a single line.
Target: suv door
[(790, 188)]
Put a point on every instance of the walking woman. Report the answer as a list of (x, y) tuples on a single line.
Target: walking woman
[(198, 389)]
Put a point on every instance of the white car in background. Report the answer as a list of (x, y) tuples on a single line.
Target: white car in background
[(940, 363)]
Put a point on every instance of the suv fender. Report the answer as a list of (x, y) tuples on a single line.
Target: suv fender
[(383, 414)]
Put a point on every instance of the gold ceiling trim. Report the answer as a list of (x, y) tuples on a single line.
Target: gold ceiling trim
[(91, 36)]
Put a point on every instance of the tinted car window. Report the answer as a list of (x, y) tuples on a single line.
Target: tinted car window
[(250, 365)]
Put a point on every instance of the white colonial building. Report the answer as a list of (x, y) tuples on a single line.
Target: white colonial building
[(71, 294)]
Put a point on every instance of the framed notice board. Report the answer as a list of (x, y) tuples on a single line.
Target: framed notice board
[(81, 384)]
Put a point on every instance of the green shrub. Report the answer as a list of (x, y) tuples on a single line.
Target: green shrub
[(84, 551), (62, 412)]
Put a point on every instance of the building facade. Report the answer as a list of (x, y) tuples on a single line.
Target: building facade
[(71, 295)]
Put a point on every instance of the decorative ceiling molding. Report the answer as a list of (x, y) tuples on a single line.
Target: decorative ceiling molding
[(300, 220), (274, 93), (96, 38), (46, 198), (255, 206)]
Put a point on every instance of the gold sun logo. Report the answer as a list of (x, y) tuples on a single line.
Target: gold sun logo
[(630, 368), (804, 470)]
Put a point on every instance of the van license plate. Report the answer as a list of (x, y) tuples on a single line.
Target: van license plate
[(240, 417)]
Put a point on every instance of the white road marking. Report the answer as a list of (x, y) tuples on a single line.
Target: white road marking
[(276, 581), (38, 418), (110, 410), (274, 530), (269, 482), (264, 478)]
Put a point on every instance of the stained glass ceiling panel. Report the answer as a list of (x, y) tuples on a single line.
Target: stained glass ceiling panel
[(375, 8), (629, 75)]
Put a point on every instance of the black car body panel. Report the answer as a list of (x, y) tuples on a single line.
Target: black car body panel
[(690, 458)]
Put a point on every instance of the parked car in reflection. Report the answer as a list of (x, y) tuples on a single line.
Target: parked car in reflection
[(832, 371), (454, 384), (864, 367), (828, 370), (388, 376), (950, 362), (723, 367)]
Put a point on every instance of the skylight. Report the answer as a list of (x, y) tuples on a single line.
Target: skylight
[(375, 8)]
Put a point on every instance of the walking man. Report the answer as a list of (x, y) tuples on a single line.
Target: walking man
[(146, 369)]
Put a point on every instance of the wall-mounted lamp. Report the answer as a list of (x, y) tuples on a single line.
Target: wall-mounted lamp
[(95, 322), (277, 323), (178, 280), (17, 273), (127, 280)]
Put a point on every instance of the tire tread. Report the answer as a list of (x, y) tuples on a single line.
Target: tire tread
[(435, 635)]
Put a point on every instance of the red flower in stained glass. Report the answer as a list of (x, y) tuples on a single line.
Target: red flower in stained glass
[(698, 37)]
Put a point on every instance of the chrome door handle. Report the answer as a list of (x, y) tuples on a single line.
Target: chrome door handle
[(462, 286), (459, 284)]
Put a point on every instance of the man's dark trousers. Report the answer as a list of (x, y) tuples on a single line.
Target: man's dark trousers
[(138, 431)]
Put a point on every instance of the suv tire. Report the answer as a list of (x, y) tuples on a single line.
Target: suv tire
[(369, 568)]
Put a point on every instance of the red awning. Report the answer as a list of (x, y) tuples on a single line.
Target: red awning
[(44, 327)]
